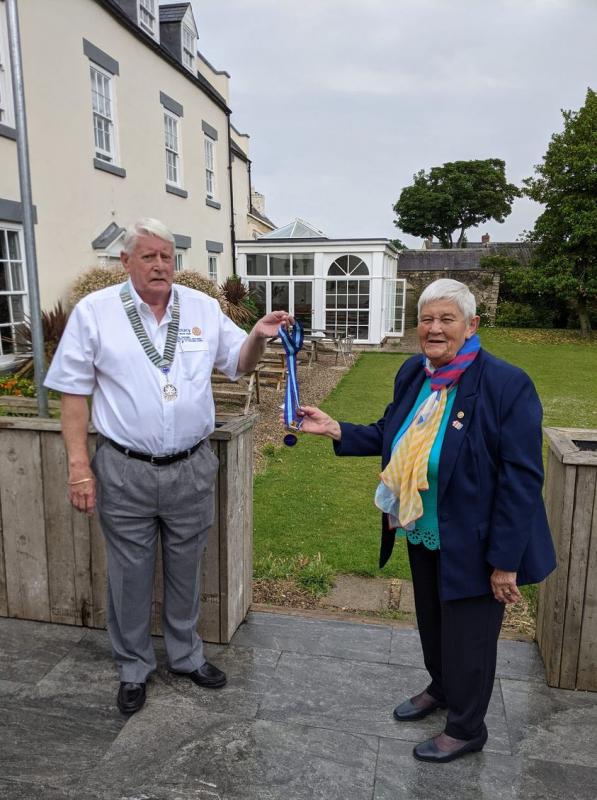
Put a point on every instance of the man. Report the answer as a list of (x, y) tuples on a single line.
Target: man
[(145, 351)]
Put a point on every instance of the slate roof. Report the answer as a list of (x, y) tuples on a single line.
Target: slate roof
[(173, 13), (260, 216), (107, 236)]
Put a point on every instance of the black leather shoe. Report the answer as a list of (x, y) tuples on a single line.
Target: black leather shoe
[(429, 751), (408, 711), (207, 675), (131, 697)]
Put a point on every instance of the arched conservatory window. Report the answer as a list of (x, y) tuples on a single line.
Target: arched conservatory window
[(347, 297)]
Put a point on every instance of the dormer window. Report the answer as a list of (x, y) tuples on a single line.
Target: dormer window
[(188, 47), (147, 17)]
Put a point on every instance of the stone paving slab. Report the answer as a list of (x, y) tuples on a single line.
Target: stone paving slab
[(484, 775), (195, 754), (318, 637), (307, 713), (360, 697)]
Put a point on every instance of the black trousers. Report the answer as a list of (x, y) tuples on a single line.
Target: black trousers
[(459, 640)]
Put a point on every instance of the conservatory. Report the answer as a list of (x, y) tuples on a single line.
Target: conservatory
[(348, 287)]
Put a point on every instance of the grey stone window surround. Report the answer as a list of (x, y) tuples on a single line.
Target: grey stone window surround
[(98, 56), (171, 105), (175, 190), (209, 130), (182, 242), (212, 203), (214, 247), (12, 211), (7, 132), (105, 166)]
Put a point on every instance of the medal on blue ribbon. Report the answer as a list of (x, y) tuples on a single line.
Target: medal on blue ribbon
[(292, 341)]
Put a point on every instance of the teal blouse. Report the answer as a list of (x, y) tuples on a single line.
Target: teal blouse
[(426, 529)]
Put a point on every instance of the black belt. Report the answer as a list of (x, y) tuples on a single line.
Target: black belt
[(157, 461)]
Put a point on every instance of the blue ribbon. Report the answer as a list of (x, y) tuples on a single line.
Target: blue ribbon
[(292, 341)]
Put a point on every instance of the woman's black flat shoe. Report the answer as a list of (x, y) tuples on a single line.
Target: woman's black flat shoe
[(429, 751), (408, 711)]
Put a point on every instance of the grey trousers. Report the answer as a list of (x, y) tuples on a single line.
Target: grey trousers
[(135, 501)]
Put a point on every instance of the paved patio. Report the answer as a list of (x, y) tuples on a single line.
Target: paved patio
[(306, 715)]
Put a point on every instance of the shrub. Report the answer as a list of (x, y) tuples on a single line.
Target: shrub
[(511, 314), (53, 323), (97, 278), (239, 306), (16, 386), (314, 575)]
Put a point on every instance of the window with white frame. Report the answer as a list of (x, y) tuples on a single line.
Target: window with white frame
[(6, 106), (179, 261), (173, 148), (347, 297), (210, 167), (212, 268), (188, 47), (147, 17), (104, 123), (13, 289)]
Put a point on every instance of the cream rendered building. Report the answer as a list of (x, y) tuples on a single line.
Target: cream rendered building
[(125, 119)]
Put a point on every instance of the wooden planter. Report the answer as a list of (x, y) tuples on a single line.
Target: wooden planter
[(567, 610), (52, 558)]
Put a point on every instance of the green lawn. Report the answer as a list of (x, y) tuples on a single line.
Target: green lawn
[(308, 501)]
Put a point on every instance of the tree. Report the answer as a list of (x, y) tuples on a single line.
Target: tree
[(454, 197), (565, 234)]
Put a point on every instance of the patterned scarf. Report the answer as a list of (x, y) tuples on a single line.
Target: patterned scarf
[(405, 476)]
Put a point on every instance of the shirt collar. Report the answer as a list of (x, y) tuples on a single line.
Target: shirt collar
[(141, 305)]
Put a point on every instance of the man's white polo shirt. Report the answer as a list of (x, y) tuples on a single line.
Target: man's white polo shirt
[(100, 355)]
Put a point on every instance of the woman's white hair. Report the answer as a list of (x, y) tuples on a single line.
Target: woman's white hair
[(448, 289), (146, 227)]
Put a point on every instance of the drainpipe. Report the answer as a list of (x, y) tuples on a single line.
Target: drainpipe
[(18, 88), (232, 232)]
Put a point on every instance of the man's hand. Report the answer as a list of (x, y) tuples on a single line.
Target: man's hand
[(268, 325), (81, 490), (503, 586), (254, 346)]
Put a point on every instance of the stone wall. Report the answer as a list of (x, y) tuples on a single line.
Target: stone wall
[(483, 284)]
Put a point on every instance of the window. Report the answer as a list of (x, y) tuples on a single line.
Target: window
[(394, 302), (103, 114), (6, 108), (179, 261), (347, 297), (147, 16), (212, 268), (210, 169), (280, 264), (188, 47), (173, 149), (13, 292)]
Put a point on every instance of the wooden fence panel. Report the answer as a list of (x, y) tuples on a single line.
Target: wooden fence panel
[(586, 478), (59, 534), (587, 662), (21, 497), (53, 559)]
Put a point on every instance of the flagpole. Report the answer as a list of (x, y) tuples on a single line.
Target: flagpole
[(18, 87)]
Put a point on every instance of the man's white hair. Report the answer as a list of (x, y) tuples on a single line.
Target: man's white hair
[(146, 227), (448, 289)]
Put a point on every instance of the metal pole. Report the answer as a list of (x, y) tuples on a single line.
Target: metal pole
[(14, 43)]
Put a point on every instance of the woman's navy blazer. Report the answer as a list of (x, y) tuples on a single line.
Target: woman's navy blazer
[(490, 507)]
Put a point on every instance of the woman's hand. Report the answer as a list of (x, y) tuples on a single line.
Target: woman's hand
[(503, 586), (318, 422)]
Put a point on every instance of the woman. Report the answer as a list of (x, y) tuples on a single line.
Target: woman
[(462, 478)]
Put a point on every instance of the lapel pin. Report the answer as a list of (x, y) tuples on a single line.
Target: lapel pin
[(456, 424), (460, 414)]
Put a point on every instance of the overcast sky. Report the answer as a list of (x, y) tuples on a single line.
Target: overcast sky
[(346, 99)]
